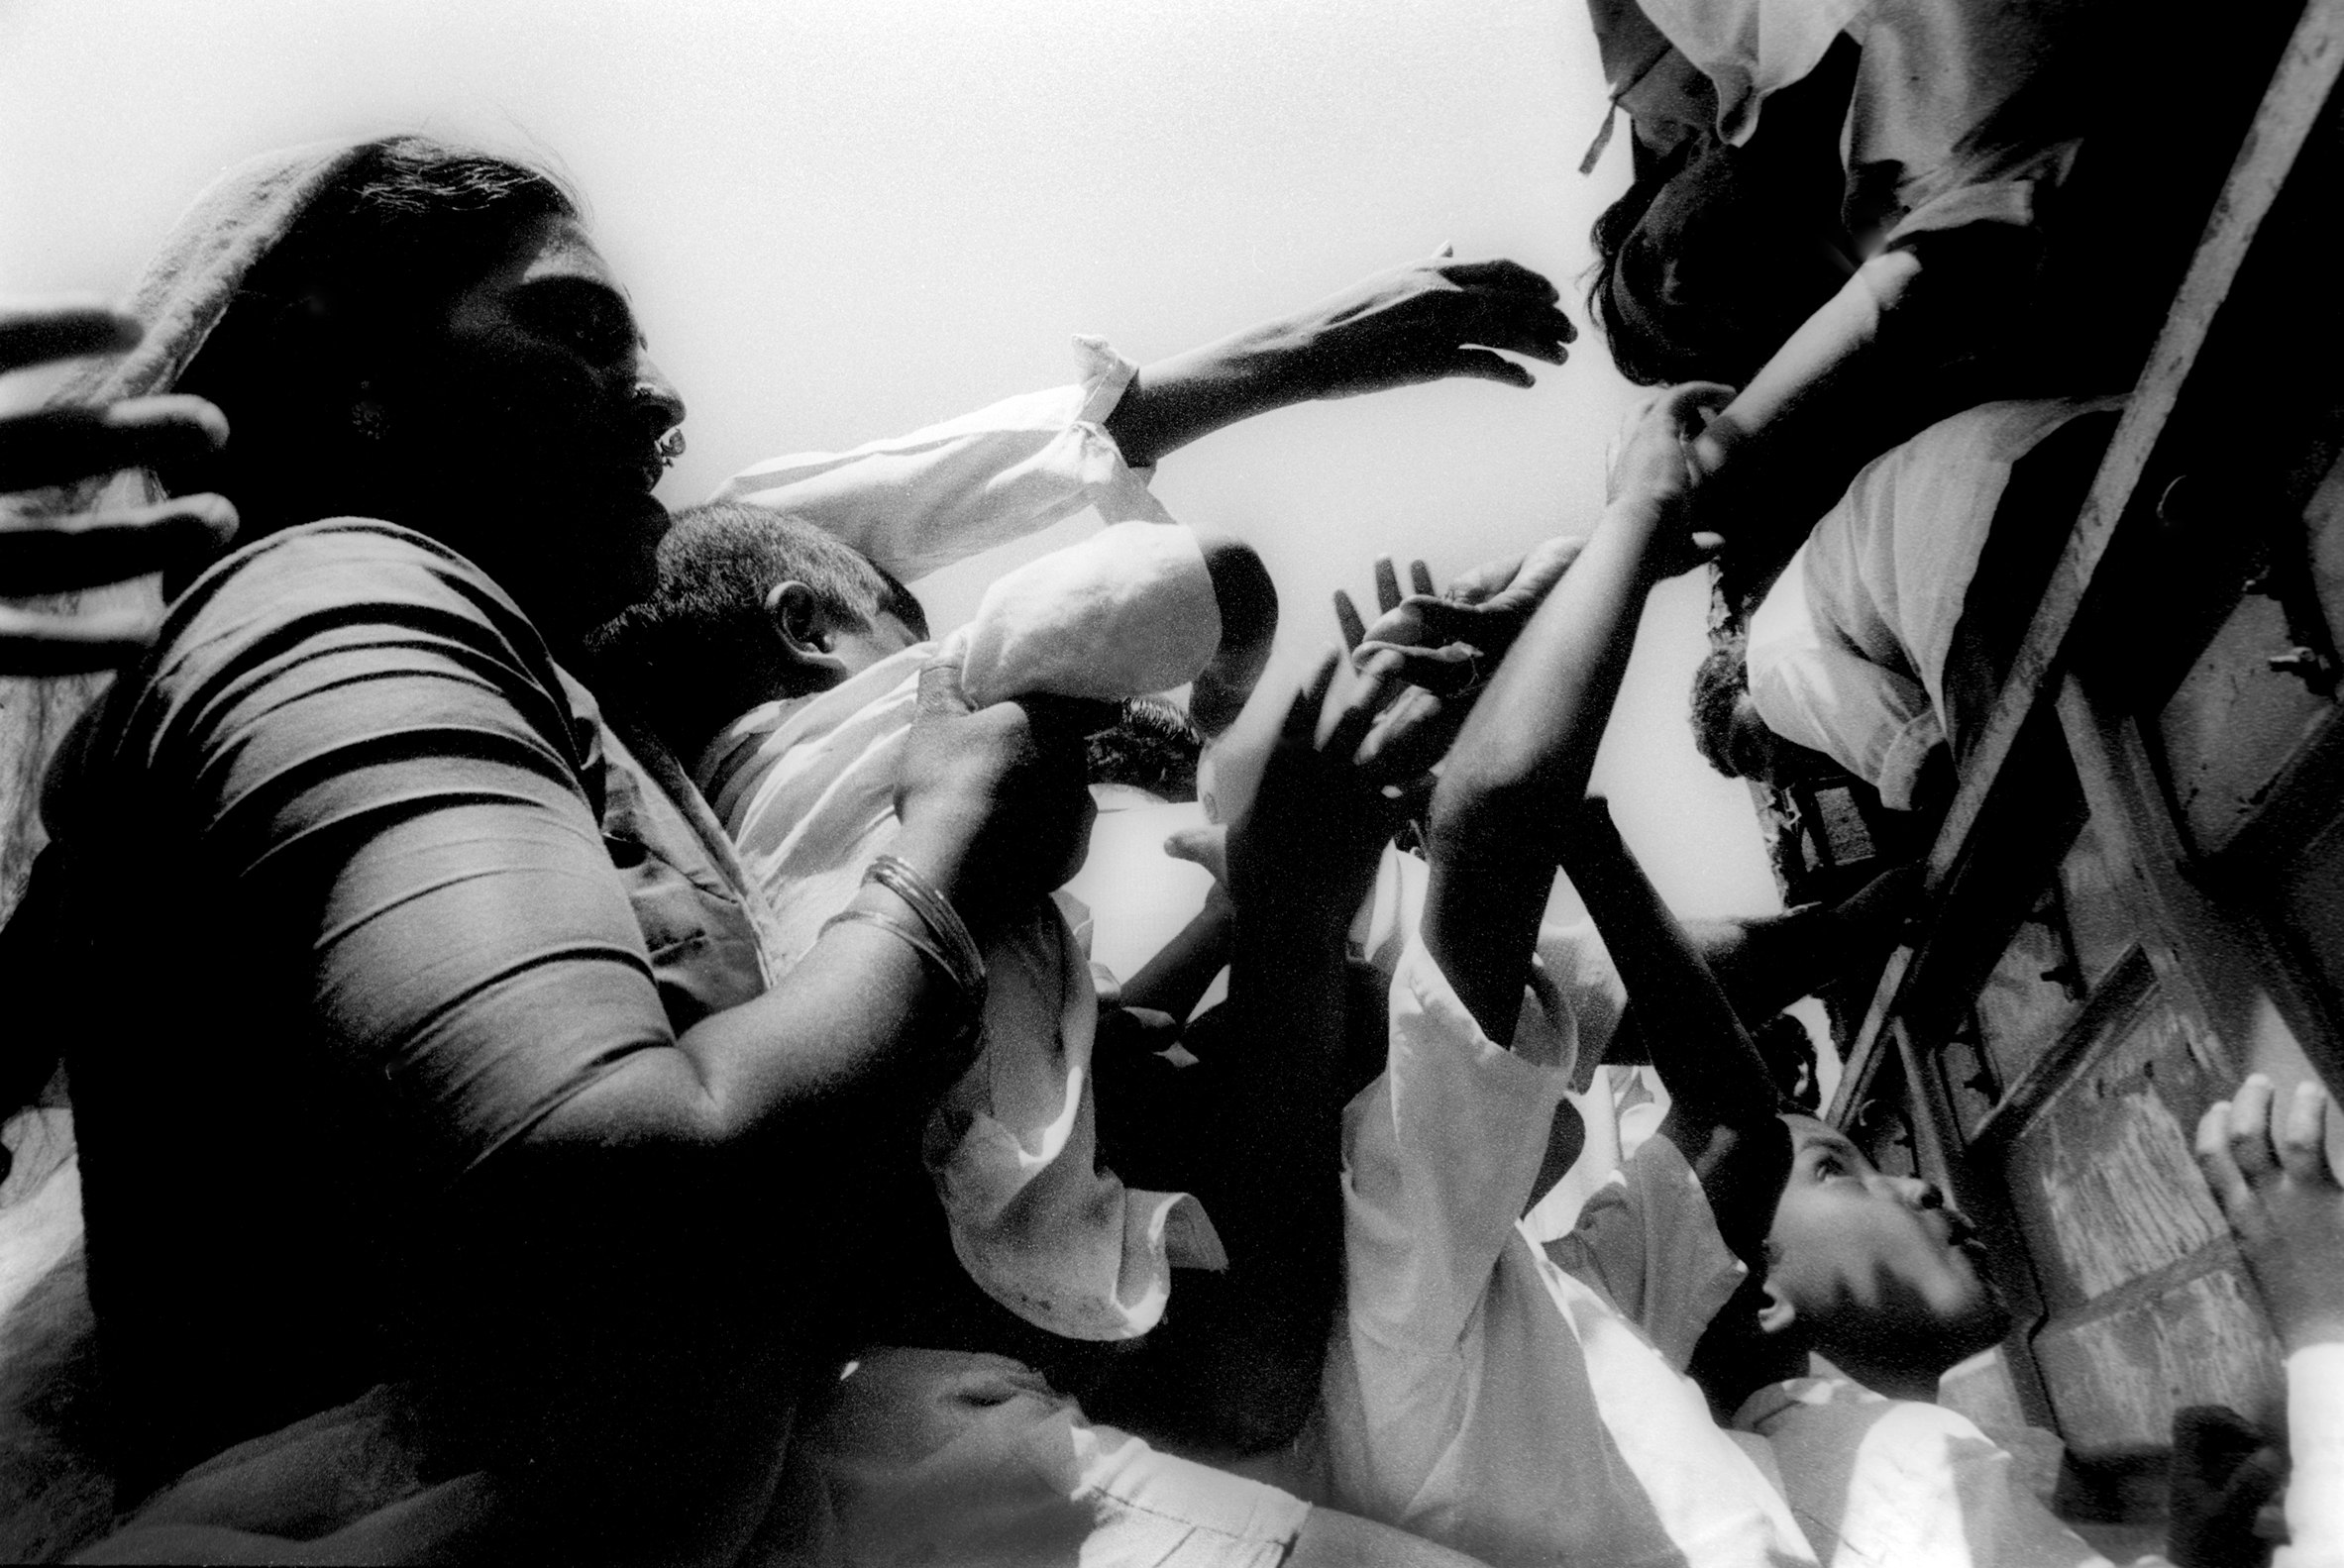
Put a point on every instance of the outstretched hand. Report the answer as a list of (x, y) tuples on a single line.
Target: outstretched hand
[(1448, 643), (1429, 321), (57, 445), (1654, 461), (1335, 789), (2284, 1204)]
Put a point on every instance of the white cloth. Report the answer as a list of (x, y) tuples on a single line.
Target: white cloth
[(951, 1457), (1882, 1483), (920, 502), (1752, 49), (2316, 1448), (806, 787), (1954, 112), (1847, 651), (1521, 1405)]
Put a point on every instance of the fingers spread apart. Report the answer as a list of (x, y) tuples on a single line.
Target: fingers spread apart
[(57, 645), (57, 445), (113, 547), (37, 333)]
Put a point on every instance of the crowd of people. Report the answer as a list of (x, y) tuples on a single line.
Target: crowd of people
[(605, 1067)]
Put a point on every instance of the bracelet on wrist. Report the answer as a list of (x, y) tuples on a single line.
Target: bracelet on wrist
[(972, 1003), (958, 948)]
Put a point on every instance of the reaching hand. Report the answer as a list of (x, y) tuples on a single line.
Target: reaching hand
[(2284, 1204), (1448, 643), (58, 446), (1652, 460), (1425, 322), (1335, 791)]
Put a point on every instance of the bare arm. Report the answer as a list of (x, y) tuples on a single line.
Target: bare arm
[(1183, 970), (1883, 359), (1524, 757), (1423, 321)]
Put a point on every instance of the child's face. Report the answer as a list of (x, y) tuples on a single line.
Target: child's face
[(1876, 1266)]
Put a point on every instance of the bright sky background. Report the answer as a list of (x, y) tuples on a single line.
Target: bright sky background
[(840, 220)]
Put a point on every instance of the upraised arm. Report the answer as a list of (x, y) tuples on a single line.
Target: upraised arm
[(1524, 757)]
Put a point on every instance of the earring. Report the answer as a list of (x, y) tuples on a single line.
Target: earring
[(367, 419), (670, 447)]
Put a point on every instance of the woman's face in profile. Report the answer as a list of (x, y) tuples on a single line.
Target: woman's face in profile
[(542, 418)]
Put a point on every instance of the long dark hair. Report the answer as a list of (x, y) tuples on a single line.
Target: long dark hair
[(406, 224), (410, 222), (1637, 353)]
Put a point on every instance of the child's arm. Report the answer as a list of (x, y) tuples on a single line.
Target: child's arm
[(1525, 752), (1182, 970), (1239, 1367), (2285, 1203), (1722, 1099), (1425, 322)]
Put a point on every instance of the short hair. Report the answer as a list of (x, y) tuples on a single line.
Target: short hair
[(1153, 746), (1789, 1053), (1719, 685), (717, 565)]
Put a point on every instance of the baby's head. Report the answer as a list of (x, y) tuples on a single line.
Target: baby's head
[(752, 605), (1872, 1271), (1152, 748)]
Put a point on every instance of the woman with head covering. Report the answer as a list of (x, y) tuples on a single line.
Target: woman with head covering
[(435, 1051), (447, 1102)]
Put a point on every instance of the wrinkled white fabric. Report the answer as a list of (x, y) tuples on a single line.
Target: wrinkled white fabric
[(1750, 49), (1503, 1398), (806, 787), (1959, 99), (1847, 651), (919, 502), (1882, 1483)]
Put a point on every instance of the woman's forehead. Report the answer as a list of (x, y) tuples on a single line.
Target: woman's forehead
[(559, 246)]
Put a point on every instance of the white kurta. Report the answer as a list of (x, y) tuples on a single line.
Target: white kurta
[(1848, 650), (1526, 1405), (806, 787), (919, 502)]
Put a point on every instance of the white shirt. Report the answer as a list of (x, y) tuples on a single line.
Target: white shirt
[(917, 503), (1520, 1404), (806, 789), (1848, 650), (1880, 1483)]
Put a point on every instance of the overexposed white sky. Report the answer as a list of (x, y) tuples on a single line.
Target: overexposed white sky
[(843, 219)]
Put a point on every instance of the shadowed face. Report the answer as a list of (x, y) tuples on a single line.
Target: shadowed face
[(1875, 1266), (535, 418)]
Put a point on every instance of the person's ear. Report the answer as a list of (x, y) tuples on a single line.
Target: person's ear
[(797, 619), (1777, 1314)]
